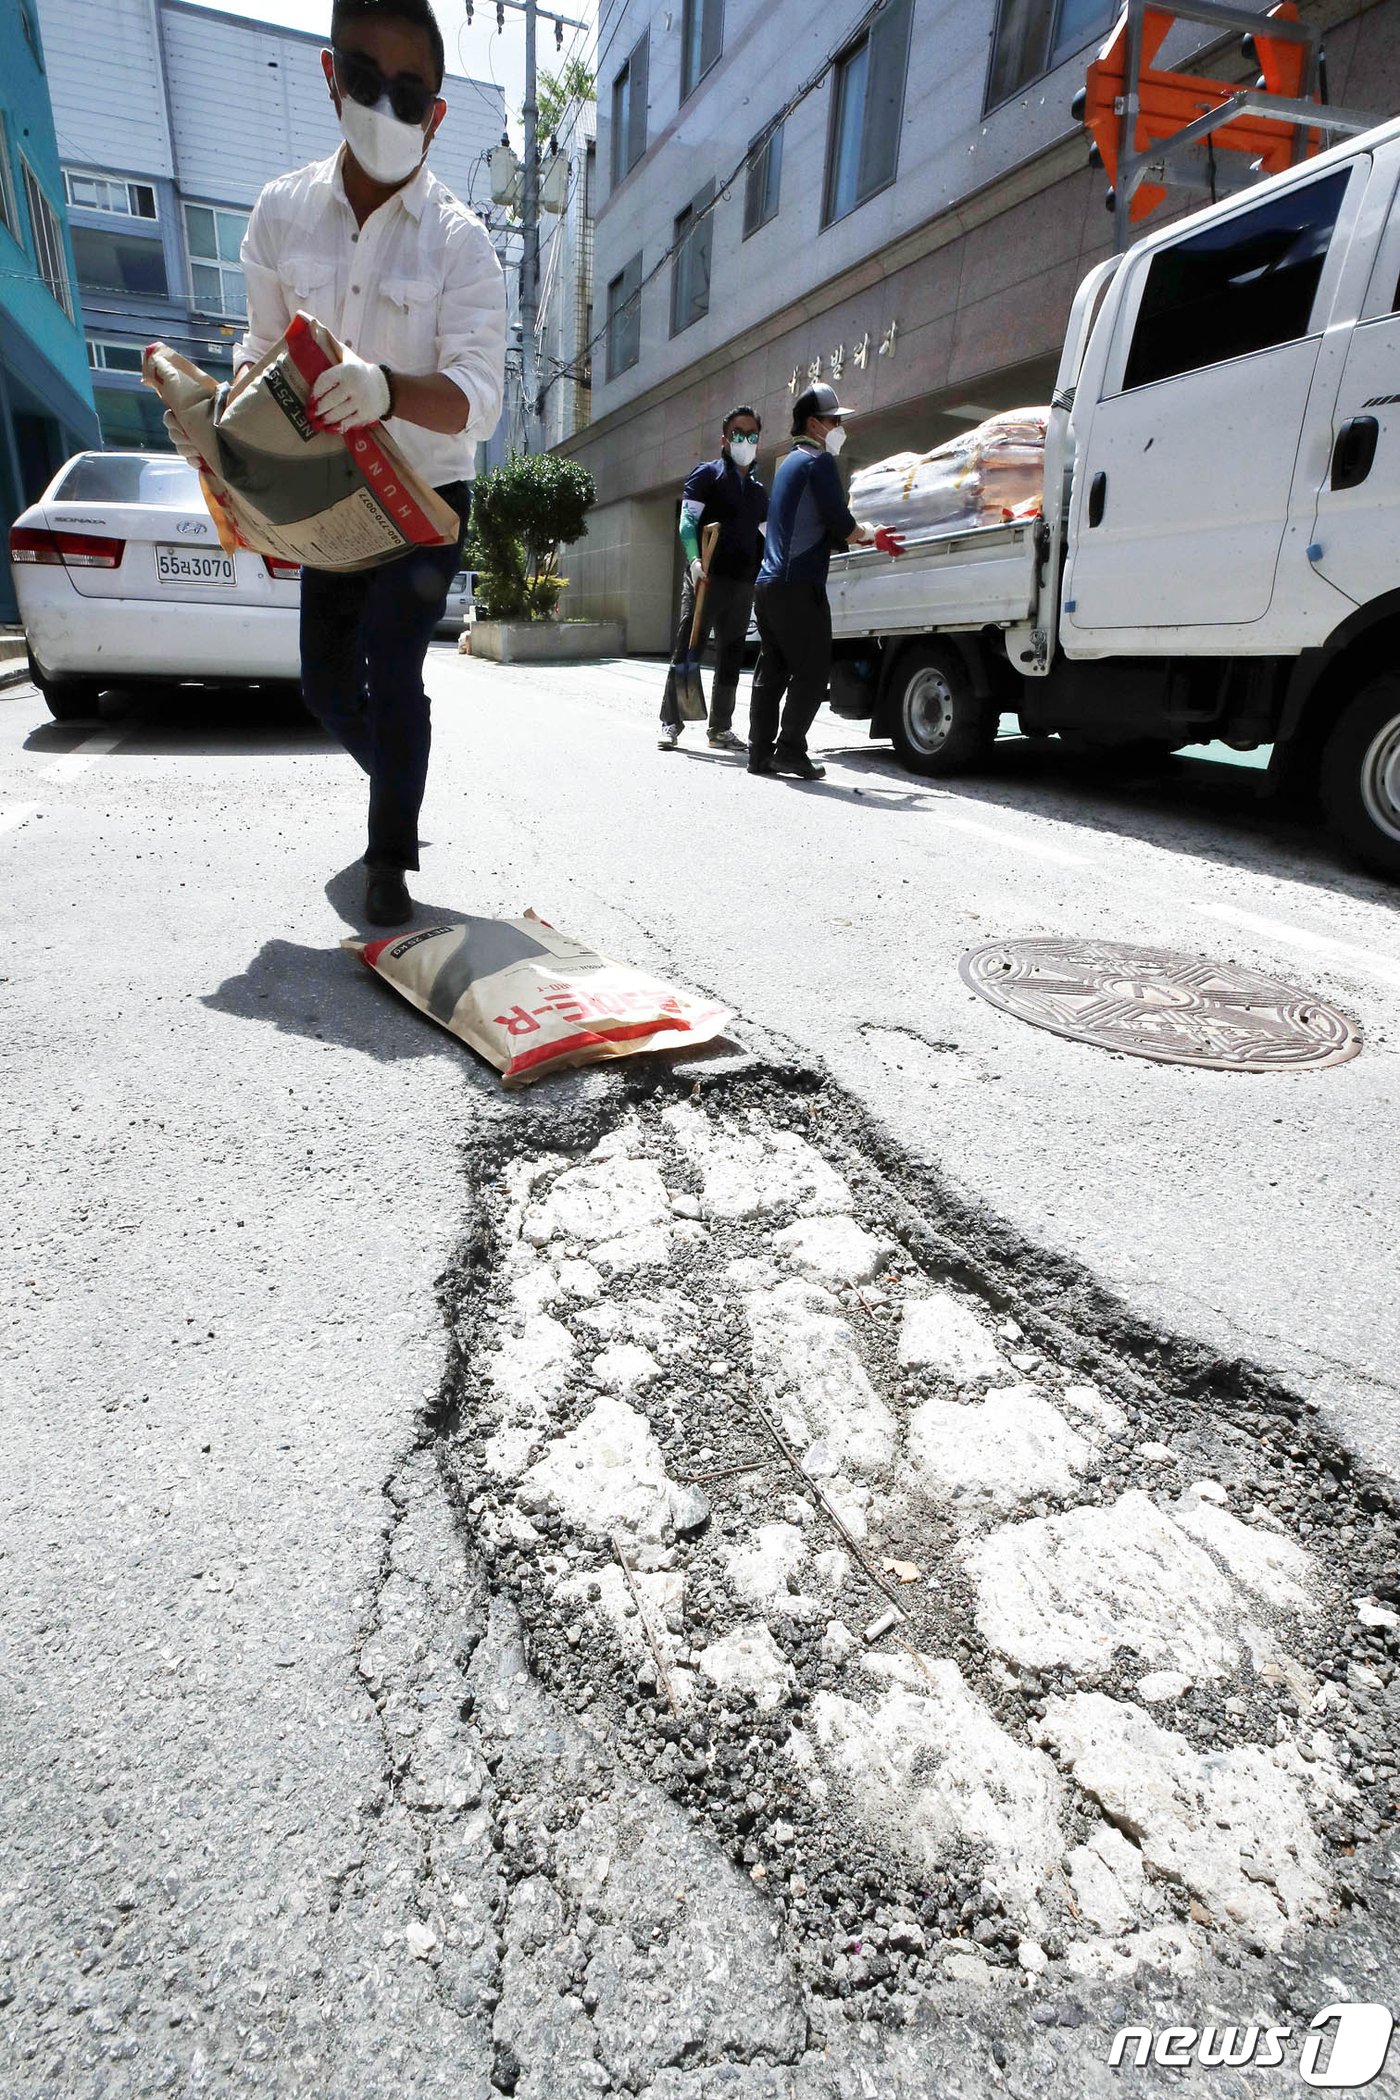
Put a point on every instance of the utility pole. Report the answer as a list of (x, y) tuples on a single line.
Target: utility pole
[(530, 254), (530, 206)]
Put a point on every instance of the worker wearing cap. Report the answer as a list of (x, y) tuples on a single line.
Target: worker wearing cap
[(807, 517)]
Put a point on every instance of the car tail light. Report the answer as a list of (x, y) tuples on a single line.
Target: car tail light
[(89, 550), (281, 571), (70, 550), (27, 545)]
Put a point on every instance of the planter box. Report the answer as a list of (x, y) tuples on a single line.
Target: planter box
[(547, 641)]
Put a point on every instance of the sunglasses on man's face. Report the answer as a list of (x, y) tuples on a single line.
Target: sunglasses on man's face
[(361, 79)]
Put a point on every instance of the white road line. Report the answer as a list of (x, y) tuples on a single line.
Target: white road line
[(13, 814), (80, 757), (1017, 840), (1385, 967)]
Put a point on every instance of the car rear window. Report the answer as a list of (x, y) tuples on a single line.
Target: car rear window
[(125, 477)]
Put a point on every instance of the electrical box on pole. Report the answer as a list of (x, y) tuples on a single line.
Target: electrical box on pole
[(505, 175), (1156, 132), (516, 184)]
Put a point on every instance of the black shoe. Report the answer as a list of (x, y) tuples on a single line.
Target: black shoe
[(801, 767), (387, 902), (760, 765)]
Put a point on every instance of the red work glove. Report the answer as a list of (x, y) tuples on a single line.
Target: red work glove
[(888, 542)]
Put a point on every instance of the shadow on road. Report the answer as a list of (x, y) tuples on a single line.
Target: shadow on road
[(326, 994), (1216, 814), (891, 794), (192, 722)]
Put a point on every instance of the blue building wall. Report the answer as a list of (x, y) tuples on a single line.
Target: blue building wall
[(46, 405)]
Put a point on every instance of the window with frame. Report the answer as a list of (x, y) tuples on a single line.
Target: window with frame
[(867, 111), (48, 239), (105, 356), (625, 318), (690, 264), (1244, 284), (1034, 36), (214, 238), (9, 210), (110, 193), (629, 110), (702, 40), (109, 261), (763, 179), (131, 416)]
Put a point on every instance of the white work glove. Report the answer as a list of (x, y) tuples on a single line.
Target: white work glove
[(188, 452), (697, 570), (350, 394)]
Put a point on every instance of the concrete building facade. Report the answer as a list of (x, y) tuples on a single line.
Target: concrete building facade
[(894, 198), (46, 404), (170, 118), (563, 354)]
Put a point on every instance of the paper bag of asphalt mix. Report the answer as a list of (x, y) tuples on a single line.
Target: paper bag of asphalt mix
[(531, 1000), (276, 483)]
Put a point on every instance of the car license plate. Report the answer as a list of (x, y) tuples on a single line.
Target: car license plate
[(195, 565)]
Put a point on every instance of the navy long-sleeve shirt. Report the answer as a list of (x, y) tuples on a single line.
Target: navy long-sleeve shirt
[(738, 503), (807, 517)]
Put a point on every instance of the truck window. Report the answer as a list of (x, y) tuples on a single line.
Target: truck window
[(1243, 284)]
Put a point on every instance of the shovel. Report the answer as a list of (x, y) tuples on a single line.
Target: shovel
[(690, 690)]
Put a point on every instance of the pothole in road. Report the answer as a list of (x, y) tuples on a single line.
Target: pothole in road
[(978, 1638)]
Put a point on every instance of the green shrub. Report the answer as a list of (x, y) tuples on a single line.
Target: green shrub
[(522, 514)]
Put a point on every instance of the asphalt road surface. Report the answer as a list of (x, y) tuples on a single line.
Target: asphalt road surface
[(310, 1788)]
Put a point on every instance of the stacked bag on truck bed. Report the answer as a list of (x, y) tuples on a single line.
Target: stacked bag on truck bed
[(984, 477)]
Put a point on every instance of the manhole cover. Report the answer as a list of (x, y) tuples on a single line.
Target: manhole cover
[(1149, 1002)]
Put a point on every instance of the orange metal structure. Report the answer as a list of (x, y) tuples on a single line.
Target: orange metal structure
[(1169, 102)]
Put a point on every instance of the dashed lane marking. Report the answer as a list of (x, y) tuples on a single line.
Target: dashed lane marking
[(1018, 841), (13, 814), (1385, 967), (80, 757)]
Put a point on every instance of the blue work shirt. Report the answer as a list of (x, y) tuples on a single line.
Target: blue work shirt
[(738, 503), (807, 517)]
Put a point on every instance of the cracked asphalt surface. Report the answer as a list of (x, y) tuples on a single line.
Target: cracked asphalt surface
[(293, 1802)]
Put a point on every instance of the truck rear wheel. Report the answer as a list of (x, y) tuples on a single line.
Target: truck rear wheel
[(938, 722), (1361, 775)]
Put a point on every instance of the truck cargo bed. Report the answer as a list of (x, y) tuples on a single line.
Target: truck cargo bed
[(975, 577)]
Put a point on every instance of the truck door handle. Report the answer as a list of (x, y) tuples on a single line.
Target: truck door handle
[(1354, 452), (1098, 492)]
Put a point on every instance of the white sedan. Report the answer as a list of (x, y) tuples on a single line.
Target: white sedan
[(120, 578)]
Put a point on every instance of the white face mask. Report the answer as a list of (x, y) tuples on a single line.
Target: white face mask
[(387, 149), (836, 437), (743, 451)]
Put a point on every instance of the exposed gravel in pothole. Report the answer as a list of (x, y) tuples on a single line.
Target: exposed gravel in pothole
[(984, 1633)]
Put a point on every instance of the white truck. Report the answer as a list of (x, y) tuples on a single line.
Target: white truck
[(1219, 551)]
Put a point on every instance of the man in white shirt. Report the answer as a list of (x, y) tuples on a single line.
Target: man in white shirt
[(371, 244)]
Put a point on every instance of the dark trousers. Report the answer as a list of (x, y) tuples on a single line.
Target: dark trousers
[(363, 641), (794, 658), (725, 613)]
